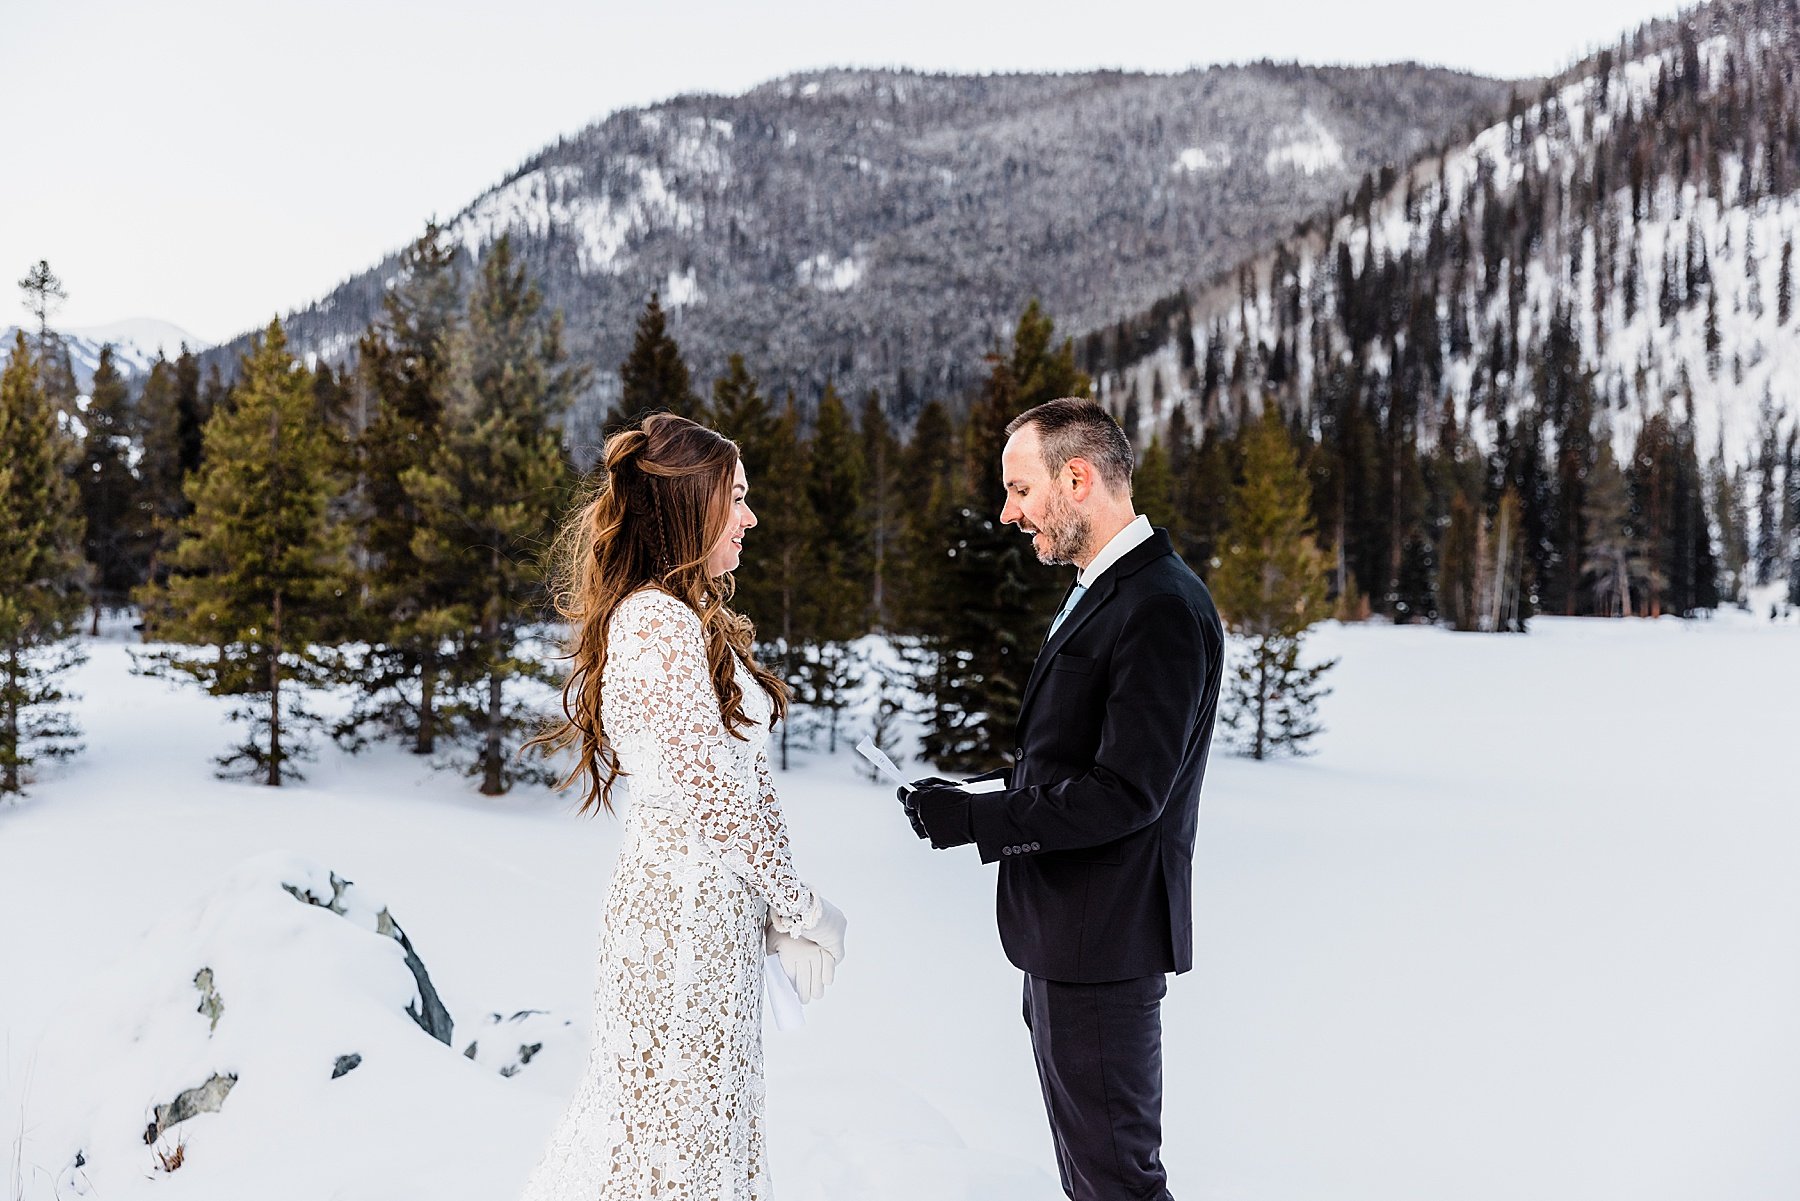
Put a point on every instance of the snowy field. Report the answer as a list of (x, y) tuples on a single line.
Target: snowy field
[(1527, 926)]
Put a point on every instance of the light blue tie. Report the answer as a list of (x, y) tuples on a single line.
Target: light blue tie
[(1068, 607)]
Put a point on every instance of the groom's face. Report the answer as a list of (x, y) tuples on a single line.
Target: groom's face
[(1040, 501)]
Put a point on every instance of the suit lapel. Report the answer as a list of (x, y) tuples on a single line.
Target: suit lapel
[(1151, 548)]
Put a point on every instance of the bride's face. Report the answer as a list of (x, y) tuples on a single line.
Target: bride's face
[(729, 549)]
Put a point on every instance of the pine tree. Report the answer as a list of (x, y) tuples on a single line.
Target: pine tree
[(787, 525), (44, 294), (118, 537), (1459, 565), (1415, 590), (159, 466), (1729, 510), (1270, 587), (881, 504), (489, 503), (1613, 563), (1766, 557), (406, 361), (170, 420), (929, 471), (41, 573), (1153, 486), (1784, 284), (258, 576), (1790, 506), (740, 412), (653, 378), (838, 570), (995, 601)]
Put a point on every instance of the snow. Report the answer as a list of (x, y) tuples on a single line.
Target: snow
[(1307, 147), (1196, 159), (1522, 927), (603, 223), (681, 289), (827, 273), (146, 335), (135, 342), (1642, 365)]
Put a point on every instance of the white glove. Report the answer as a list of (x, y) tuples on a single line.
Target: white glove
[(806, 963), (827, 929)]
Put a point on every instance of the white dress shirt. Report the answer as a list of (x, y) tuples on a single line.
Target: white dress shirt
[(1116, 548)]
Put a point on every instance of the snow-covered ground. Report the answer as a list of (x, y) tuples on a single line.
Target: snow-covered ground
[(1527, 926)]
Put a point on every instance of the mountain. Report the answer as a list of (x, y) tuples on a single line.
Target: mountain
[(1639, 212), (135, 343), (884, 228)]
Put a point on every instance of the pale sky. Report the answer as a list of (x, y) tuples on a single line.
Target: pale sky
[(213, 163)]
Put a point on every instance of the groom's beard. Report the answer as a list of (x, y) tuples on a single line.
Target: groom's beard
[(1066, 530)]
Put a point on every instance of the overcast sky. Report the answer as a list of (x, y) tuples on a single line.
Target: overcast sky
[(215, 162)]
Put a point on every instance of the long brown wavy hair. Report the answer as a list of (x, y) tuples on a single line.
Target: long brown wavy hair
[(662, 501)]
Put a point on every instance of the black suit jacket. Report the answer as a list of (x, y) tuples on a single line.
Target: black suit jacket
[(1095, 830)]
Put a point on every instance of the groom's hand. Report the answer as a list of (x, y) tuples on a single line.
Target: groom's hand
[(905, 794), (939, 810)]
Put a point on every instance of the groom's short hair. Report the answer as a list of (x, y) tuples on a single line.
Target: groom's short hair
[(1076, 428)]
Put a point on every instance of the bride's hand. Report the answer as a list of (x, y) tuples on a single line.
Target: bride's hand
[(827, 929), (806, 963)]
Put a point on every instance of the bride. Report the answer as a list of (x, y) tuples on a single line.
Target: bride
[(665, 692)]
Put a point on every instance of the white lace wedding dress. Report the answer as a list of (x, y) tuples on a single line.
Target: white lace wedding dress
[(671, 1105)]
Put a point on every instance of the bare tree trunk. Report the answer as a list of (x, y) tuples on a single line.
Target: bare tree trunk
[(491, 783), (10, 783), (425, 739), (274, 778), (1262, 697), (787, 639)]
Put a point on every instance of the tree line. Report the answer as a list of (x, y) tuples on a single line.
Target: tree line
[(378, 529)]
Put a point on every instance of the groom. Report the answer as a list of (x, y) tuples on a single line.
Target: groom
[(1094, 832)]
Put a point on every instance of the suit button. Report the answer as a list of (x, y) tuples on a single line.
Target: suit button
[(1018, 754), (1006, 850), (1034, 846)]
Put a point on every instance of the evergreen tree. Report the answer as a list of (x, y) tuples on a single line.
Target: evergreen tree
[(489, 502), (1791, 515), (44, 294), (407, 363), (929, 469), (994, 600), (1766, 557), (1415, 590), (1460, 565), (41, 573), (118, 537), (1613, 564), (1727, 495), (1784, 284), (881, 504), (258, 575), (170, 420), (1153, 486), (653, 378), (1270, 587), (740, 412), (786, 528), (838, 568)]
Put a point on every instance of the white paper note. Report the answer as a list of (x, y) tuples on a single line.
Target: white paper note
[(782, 998), (874, 754)]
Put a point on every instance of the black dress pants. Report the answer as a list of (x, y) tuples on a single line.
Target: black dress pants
[(1099, 1058)]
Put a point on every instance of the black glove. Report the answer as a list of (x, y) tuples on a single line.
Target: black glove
[(942, 813), (905, 793)]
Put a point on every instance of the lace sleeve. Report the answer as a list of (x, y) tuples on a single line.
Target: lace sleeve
[(731, 803)]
